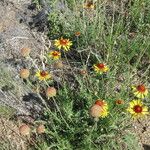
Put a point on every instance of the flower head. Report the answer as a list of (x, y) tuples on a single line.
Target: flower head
[(63, 43), (140, 91), (100, 68), (50, 92), (43, 75), (99, 109), (95, 111), (40, 129), (54, 55), (137, 109), (24, 129), (24, 73)]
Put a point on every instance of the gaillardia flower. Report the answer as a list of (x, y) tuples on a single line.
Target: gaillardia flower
[(140, 91), (63, 43), (43, 75), (100, 68), (99, 109), (54, 55), (137, 109)]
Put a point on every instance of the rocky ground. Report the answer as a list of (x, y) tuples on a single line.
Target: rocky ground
[(16, 32)]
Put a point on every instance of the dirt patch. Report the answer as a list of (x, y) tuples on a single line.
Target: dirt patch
[(10, 138), (16, 33), (142, 129)]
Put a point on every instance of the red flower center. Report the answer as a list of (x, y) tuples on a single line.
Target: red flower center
[(43, 73), (137, 109), (63, 41), (100, 66), (55, 54), (141, 88), (100, 102)]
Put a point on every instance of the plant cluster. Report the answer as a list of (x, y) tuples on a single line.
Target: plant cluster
[(95, 109)]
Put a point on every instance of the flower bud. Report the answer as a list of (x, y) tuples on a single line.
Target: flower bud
[(83, 72), (77, 33), (24, 73), (24, 129), (119, 102), (40, 129), (50, 92), (25, 51), (95, 111)]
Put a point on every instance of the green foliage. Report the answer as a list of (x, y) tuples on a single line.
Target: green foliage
[(70, 126)]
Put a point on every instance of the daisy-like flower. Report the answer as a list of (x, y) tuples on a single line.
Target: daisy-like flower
[(54, 55), (88, 5), (140, 91), (100, 68), (63, 43), (43, 75), (137, 109)]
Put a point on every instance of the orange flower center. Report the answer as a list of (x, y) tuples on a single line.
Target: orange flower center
[(55, 54), (141, 88), (63, 41), (137, 109), (100, 66), (43, 73)]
